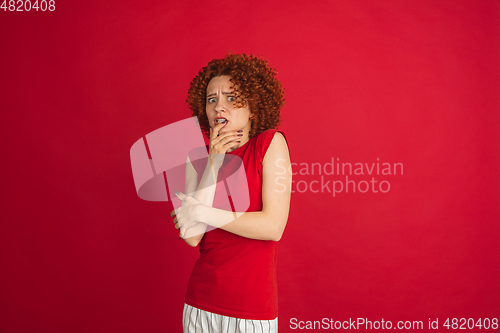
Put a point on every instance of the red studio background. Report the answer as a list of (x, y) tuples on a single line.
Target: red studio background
[(411, 84)]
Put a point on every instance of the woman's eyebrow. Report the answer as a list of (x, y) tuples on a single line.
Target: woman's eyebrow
[(224, 92)]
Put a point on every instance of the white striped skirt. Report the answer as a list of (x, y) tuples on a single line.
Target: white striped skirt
[(195, 320)]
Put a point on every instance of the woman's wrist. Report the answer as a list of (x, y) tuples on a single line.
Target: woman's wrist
[(216, 161)]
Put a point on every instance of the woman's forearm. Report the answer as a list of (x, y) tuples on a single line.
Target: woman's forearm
[(205, 194), (262, 225), (194, 234)]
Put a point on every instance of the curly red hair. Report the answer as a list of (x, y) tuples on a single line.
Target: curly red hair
[(253, 82)]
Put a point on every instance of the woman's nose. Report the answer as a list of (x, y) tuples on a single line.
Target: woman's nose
[(220, 107)]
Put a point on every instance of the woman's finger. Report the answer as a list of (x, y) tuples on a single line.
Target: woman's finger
[(172, 213), (220, 144), (230, 134), (217, 128), (186, 198), (227, 137), (180, 195), (215, 140), (214, 134), (230, 141), (211, 133)]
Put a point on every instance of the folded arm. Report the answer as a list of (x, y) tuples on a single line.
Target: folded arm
[(269, 223), (204, 193)]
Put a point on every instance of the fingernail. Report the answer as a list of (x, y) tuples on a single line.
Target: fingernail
[(177, 192), (240, 131), (240, 134), (238, 141)]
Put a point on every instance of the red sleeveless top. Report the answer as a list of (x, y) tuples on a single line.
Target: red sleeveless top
[(236, 276)]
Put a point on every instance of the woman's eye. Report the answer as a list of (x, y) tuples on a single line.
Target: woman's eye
[(231, 98), (211, 100)]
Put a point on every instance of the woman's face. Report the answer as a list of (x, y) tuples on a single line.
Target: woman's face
[(220, 104)]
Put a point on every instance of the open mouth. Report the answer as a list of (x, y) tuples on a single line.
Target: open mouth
[(220, 120)]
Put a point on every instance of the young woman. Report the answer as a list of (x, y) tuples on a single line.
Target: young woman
[(233, 284)]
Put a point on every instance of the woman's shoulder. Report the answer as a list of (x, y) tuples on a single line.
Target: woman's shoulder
[(265, 139), (269, 131), (268, 135)]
